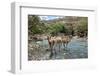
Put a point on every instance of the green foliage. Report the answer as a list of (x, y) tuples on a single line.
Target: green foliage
[(82, 26), (35, 25), (56, 28), (68, 29)]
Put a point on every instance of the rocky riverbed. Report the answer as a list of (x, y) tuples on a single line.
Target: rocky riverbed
[(77, 48)]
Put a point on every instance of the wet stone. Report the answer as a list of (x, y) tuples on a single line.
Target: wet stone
[(39, 50)]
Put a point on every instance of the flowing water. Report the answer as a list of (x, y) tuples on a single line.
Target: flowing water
[(77, 48)]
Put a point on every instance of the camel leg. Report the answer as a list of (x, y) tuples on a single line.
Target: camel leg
[(64, 45), (51, 49), (59, 47), (54, 52), (55, 49), (67, 46)]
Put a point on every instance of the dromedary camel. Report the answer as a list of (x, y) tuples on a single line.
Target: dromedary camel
[(58, 40)]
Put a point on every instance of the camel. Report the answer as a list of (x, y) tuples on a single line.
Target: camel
[(57, 40), (51, 44), (54, 41), (66, 40)]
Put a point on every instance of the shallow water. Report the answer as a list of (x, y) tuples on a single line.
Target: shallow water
[(77, 48)]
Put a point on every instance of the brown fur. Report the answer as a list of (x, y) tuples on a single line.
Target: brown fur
[(58, 40)]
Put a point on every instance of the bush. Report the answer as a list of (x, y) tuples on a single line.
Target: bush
[(56, 28), (82, 26), (35, 25)]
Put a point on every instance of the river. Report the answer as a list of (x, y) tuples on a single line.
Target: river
[(76, 49)]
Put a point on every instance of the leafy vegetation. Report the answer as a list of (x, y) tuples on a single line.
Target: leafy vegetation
[(82, 27), (37, 26)]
